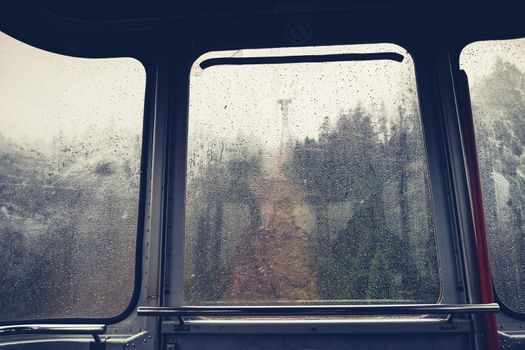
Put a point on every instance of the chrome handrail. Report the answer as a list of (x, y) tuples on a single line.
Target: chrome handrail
[(318, 310)]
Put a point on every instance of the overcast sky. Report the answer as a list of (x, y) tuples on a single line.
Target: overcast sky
[(42, 93), (226, 101), (478, 58)]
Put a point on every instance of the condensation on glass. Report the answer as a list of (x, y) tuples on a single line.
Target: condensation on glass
[(496, 72), (307, 182), (70, 144)]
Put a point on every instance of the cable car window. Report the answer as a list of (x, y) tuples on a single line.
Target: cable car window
[(70, 151), (307, 179), (496, 71)]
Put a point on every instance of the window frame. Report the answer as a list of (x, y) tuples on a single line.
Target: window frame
[(457, 50), (394, 55), (23, 30), (483, 25), (190, 48)]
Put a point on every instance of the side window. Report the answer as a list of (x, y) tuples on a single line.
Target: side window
[(496, 71), (307, 182), (70, 151)]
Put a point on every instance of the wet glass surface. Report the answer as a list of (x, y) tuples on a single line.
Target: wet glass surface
[(497, 87), (70, 141), (308, 182)]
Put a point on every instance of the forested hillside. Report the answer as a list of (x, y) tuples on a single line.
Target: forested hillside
[(499, 115), (67, 226), (346, 218)]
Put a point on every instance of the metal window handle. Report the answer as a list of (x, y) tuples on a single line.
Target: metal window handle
[(93, 329)]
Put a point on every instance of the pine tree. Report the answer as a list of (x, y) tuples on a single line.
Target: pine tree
[(380, 278)]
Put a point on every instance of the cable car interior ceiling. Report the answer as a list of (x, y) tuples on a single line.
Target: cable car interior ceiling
[(366, 19), (99, 10)]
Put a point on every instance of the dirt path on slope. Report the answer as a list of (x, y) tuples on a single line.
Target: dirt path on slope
[(275, 261)]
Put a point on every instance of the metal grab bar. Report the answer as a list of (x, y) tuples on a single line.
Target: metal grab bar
[(318, 310), (92, 329)]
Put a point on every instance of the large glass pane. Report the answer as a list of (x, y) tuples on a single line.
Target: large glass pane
[(496, 71), (70, 141), (307, 182)]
